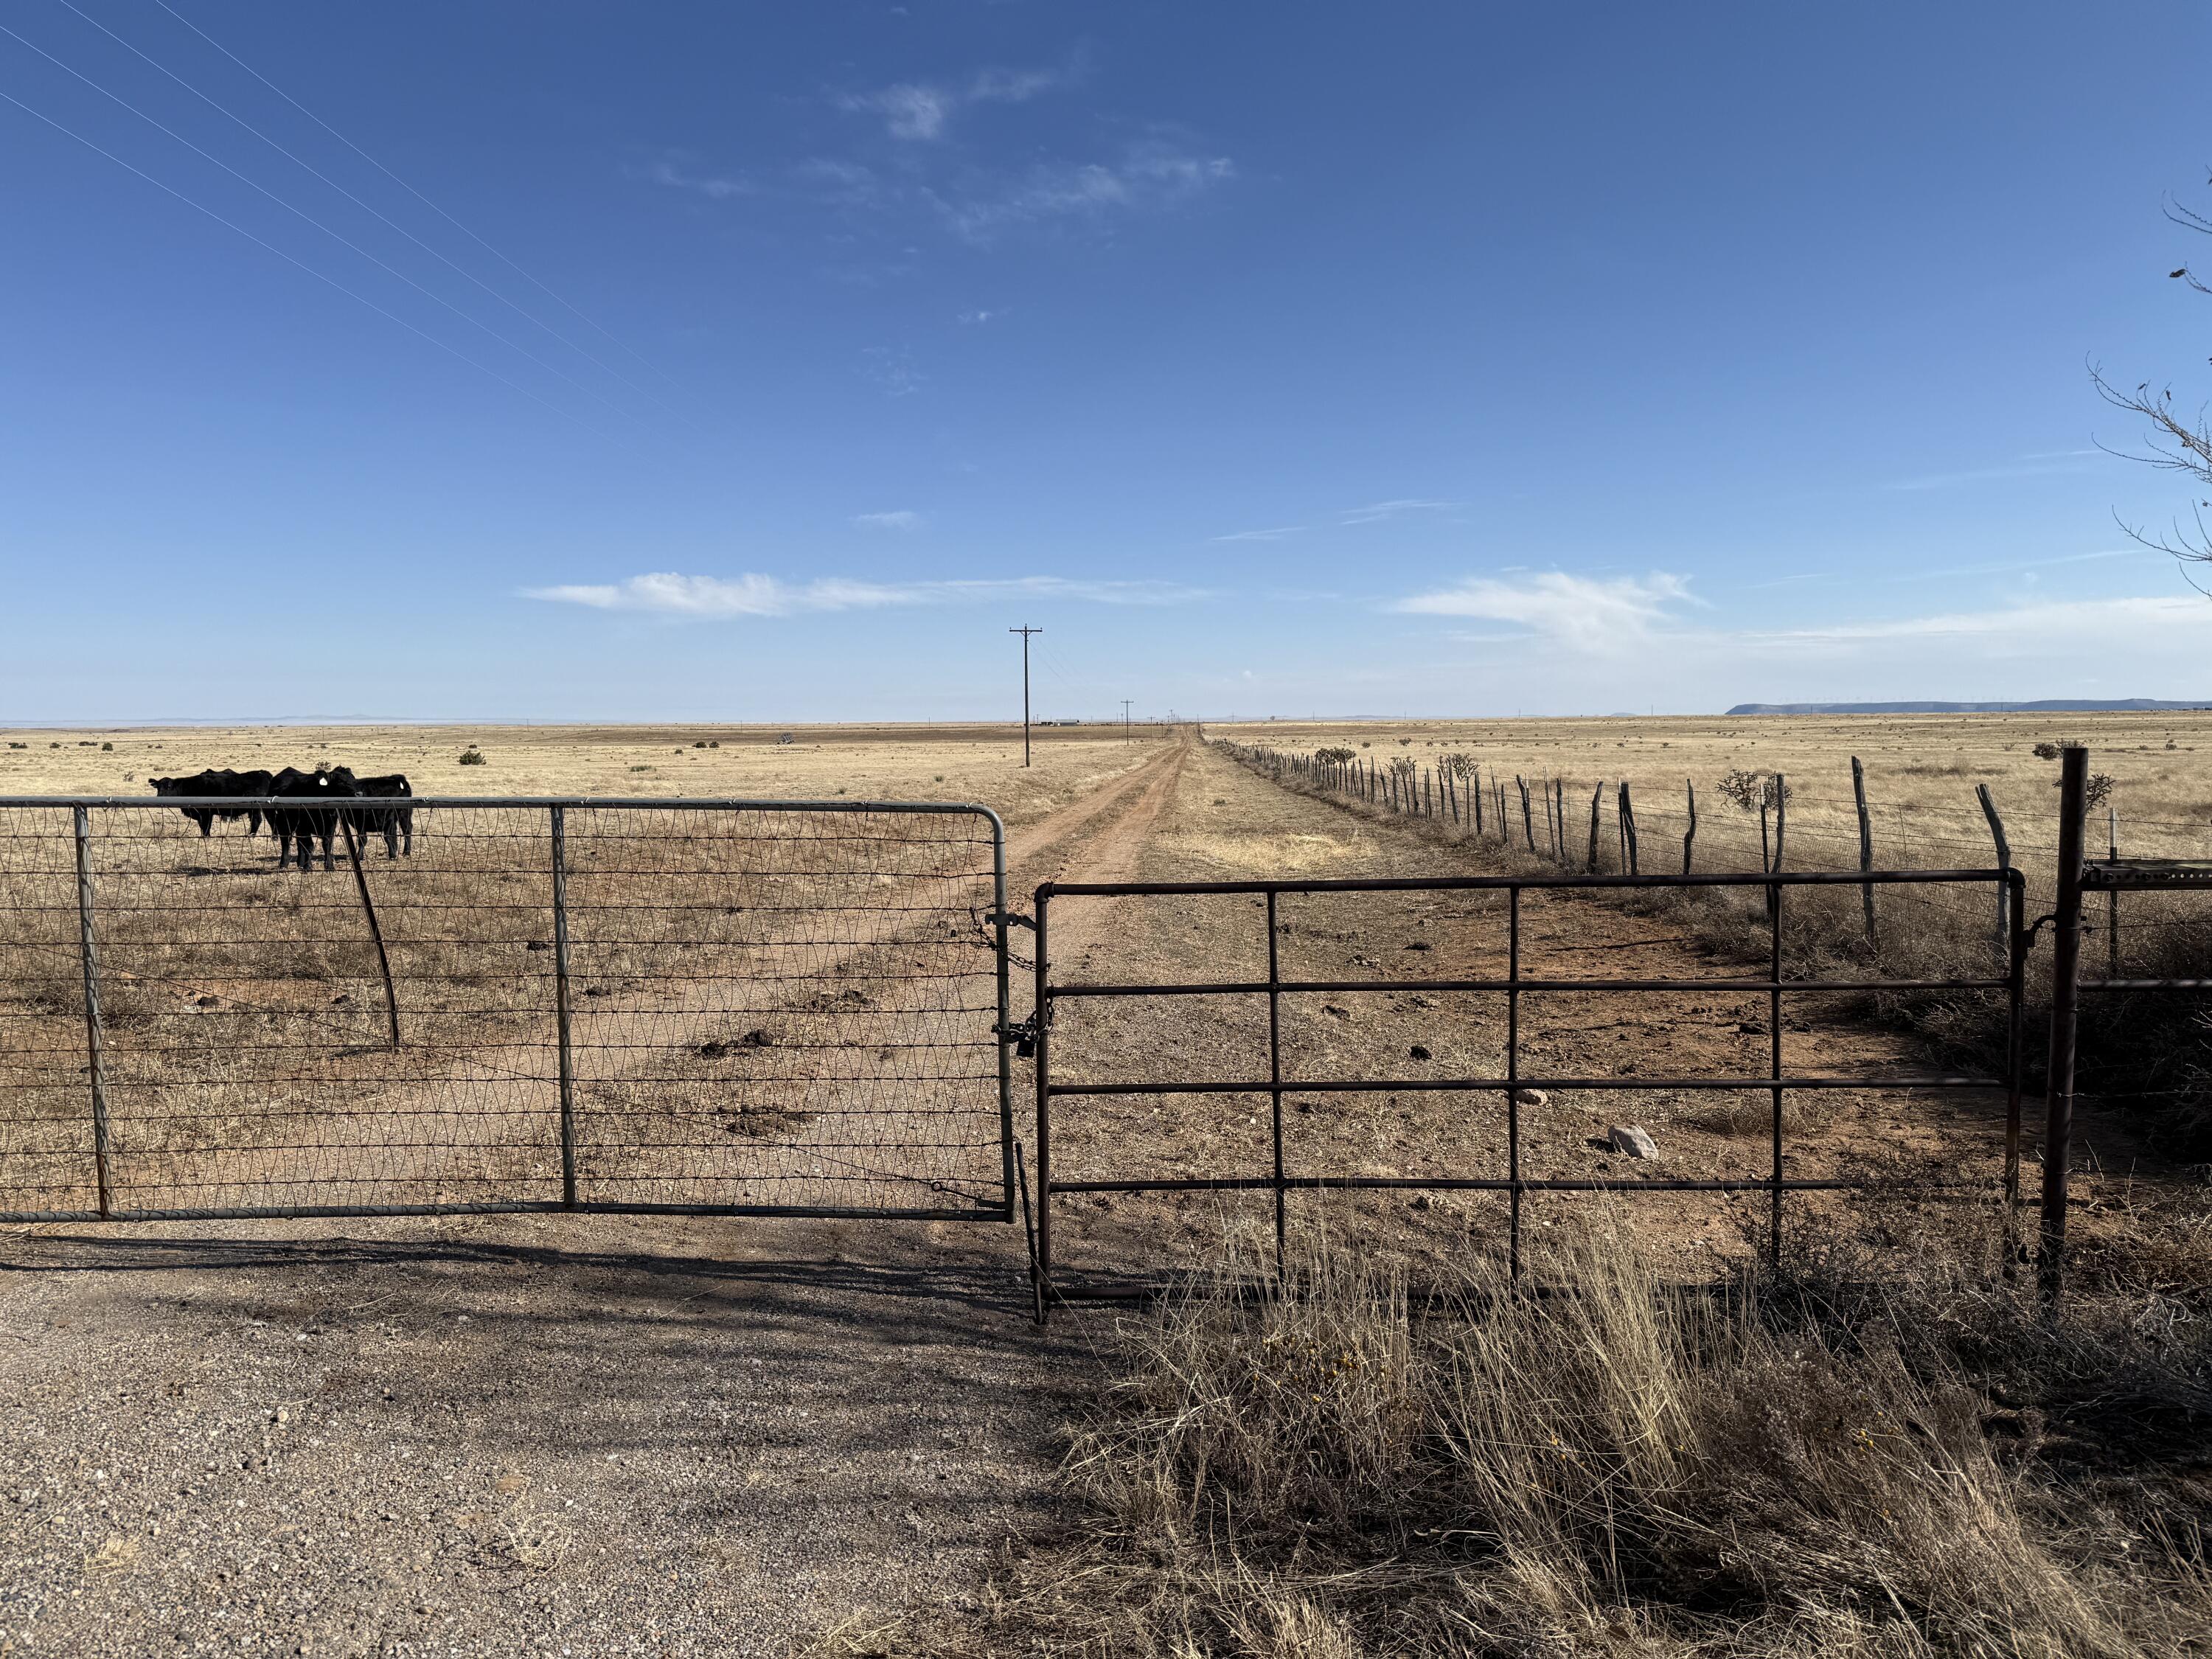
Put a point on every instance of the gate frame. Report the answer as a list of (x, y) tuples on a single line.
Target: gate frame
[(2078, 875), (79, 808), (2009, 881)]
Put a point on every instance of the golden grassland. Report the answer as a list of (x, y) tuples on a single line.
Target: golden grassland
[(1920, 772), (868, 762)]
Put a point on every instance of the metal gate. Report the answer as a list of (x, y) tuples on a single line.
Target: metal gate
[(689, 1007), (1273, 1075)]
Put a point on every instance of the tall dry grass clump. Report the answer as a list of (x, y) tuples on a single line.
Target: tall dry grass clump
[(1334, 1469)]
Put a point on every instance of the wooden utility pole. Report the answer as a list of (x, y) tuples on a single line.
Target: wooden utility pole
[(1025, 633), (1125, 701)]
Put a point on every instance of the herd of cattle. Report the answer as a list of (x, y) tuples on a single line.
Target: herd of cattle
[(292, 812)]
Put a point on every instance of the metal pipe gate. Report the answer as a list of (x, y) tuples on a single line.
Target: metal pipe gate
[(1515, 985)]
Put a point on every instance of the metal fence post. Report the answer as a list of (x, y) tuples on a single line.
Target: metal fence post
[(2014, 889), (1275, 1075), (1005, 1012), (1774, 1052), (2065, 1005), (89, 960), (562, 1016), (1512, 1076), (1040, 1020)]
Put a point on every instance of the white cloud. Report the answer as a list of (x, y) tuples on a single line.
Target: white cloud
[(915, 111), (669, 170), (1152, 174), (668, 594), (1376, 512), (1584, 613), (903, 518), (2027, 466), (1259, 535), (977, 317)]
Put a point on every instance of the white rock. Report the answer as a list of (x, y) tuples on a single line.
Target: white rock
[(1632, 1139)]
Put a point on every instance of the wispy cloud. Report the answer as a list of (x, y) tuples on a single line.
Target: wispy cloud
[(673, 170), (976, 318), (2073, 625), (1376, 512), (1276, 535), (919, 111), (903, 518), (2027, 466), (668, 594), (1584, 613), (2007, 566), (1152, 174)]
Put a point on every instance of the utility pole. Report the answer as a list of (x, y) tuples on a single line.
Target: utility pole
[(1125, 701), (1025, 633)]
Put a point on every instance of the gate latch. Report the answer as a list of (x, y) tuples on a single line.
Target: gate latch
[(1023, 1034), (1013, 920)]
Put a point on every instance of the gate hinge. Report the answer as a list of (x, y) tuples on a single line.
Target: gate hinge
[(1013, 920), (1023, 1034)]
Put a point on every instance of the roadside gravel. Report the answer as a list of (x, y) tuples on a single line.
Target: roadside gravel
[(544, 1435)]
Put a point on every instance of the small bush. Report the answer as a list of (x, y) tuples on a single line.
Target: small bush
[(1751, 790), (702, 744), (1333, 756), (106, 747), (2045, 751), (640, 768), (473, 756)]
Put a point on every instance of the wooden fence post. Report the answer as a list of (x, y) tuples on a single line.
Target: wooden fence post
[(1597, 795), (1528, 817), (1781, 816), (1690, 835), (1628, 827), (1474, 789), (2004, 862), (1551, 834), (2113, 896), (1866, 847)]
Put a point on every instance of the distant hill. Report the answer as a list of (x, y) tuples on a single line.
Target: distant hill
[(2047, 706)]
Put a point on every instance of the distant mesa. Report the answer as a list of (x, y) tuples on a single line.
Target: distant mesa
[(2046, 705)]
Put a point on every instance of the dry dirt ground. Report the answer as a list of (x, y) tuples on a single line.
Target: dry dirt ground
[(601, 1435)]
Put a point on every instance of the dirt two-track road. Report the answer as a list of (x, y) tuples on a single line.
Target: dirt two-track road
[(599, 1434)]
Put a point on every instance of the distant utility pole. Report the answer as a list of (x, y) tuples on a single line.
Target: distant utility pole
[(1125, 701), (1025, 633)]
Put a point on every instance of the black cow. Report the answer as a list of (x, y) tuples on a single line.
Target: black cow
[(299, 826), (392, 823), (215, 783)]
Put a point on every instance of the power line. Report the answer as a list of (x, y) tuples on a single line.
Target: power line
[(289, 259), (310, 218), (366, 207), (404, 185)]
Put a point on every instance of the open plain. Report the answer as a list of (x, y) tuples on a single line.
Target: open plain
[(670, 1435)]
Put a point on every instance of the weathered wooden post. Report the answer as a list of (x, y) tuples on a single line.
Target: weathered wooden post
[(1628, 828), (1528, 818), (2004, 862), (1690, 835), (1866, 847), (1597, 795), (2112, 895), (2065, 1007)]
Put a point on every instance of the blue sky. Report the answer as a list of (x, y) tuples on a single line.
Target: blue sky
[(595, 361)]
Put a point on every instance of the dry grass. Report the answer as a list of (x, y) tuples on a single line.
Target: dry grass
[(1786, 1468)]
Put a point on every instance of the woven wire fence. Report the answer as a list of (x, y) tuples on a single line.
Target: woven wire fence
[(721, 1007)]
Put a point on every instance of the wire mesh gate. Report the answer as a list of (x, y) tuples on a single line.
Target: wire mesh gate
[(1513, 1086), (691, 1006)]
